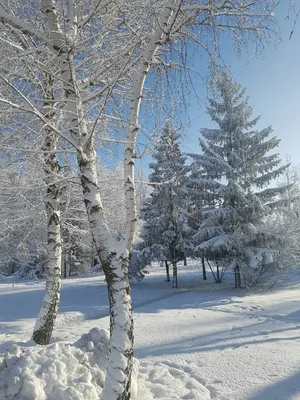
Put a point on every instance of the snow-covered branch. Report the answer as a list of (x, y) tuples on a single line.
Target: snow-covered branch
[(6, 18)]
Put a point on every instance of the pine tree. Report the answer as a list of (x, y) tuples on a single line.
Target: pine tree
[(163, 212), (230, 180)]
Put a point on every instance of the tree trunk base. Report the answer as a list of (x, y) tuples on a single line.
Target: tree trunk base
[(42, 336), (175, 280), (237, 277), (203, 269), (167, 271)]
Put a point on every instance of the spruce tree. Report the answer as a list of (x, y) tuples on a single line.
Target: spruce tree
[(230, 180), (163, 212)]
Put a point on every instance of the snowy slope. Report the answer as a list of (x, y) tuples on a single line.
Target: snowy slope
[(202, 341)]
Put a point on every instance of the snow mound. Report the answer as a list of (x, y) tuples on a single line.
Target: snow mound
[(166, 381), (60, 371)]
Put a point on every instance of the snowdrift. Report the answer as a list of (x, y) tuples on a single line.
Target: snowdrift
[(59, 371)]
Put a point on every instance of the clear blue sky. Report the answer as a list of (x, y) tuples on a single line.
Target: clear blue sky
[(272, 83)]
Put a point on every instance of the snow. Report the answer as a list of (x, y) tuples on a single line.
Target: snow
[(201, 341), (56, 372)]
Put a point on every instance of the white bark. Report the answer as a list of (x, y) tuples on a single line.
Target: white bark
[(118, 379), (114, 260), (86, 155), (46, 319), (157, 38), (118, 382)]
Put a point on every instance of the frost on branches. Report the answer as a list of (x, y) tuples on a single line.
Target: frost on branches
[(98, 54), (164, 215), (232, 175)]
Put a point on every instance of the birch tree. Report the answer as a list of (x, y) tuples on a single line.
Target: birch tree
[(130, 38), (46, 319), (113, 252), (27, 82)]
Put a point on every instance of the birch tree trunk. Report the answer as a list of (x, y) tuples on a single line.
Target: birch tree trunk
[(118, 378), (122, 324), (114, 257), (118, 382), (45, 321)]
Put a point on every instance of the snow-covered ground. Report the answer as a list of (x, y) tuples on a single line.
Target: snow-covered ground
[(201, 341)]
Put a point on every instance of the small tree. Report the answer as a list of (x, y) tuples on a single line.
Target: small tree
[(164, 211), (234, 171)]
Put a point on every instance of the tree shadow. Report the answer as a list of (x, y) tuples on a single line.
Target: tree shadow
[(219, 341), (285, 389), (25, 304), (8, 329)]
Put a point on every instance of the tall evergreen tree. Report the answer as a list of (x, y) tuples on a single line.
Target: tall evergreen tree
[(230, 180), (163, 213)]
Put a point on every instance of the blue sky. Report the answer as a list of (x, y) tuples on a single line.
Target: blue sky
[(272, 83)]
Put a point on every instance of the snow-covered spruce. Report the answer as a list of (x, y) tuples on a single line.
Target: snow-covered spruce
[(164, 212), (230, 185), (60, 371)]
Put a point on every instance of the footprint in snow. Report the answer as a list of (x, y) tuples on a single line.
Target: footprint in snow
[(256, 308), (235, 330), (218, 381), (264, 333)]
